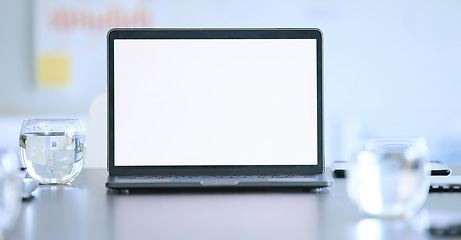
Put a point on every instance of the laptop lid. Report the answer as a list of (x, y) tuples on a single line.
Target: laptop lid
[(215, 101)]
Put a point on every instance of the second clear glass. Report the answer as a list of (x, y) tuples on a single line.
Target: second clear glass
[(389, 178)]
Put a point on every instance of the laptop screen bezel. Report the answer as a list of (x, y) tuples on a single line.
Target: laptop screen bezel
[(213, 33)]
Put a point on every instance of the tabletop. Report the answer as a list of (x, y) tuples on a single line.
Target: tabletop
[(86, 209)]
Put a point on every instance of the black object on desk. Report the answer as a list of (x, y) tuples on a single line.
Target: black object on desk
[(440, 179), (339, 169), (438, 168), (445, 224), (445, 184)]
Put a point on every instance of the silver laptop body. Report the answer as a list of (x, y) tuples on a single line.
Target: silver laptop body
[(207, 108)]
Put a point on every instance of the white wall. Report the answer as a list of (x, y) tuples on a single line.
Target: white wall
[(391, 67)]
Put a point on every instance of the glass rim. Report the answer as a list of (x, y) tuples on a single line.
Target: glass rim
[(52, 120), (392, 139), (51, 125)]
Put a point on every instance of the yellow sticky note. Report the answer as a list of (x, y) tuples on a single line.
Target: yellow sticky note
[(53, 70)]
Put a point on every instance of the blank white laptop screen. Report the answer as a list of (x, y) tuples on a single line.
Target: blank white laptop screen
[(214, 102)]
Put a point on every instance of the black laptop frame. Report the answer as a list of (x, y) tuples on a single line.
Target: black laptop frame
[(210, 33)]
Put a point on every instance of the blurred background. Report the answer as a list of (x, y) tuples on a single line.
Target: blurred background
[(391, 68)]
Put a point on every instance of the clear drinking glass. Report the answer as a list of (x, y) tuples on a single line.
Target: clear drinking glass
[(389, 178), (10, 191), (52, 150)]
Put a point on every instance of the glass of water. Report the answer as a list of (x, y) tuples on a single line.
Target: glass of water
[(10, 191), (52, 150), (389, 178)]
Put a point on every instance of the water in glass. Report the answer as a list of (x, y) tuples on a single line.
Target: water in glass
[(389, 177), (53, 157)]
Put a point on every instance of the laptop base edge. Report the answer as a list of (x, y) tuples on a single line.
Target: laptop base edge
[(322, 182)]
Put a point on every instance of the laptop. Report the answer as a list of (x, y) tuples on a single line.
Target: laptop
[(215, 108)]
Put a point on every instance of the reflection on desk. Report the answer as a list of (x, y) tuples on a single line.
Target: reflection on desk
[(87, 210)]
